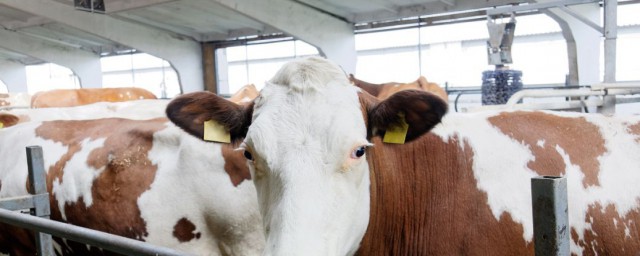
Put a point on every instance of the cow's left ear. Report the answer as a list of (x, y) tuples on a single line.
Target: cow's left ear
[(190, 111), (421, 111)]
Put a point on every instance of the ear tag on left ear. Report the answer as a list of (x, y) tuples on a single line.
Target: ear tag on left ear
[(397, 134), (213, 131), (1, 125)]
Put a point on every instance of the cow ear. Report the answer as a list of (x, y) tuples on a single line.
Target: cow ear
[(421, 111), (8, 120), (190, 111)]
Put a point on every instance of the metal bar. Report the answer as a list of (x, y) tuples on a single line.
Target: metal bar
[(22, 202), (537, 6), (550, 215), (38, 186), (103, 240)]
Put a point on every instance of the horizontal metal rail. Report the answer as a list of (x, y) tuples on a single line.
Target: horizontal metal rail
[(96, 238)]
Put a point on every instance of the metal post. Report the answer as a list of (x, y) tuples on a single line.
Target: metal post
[(610, 36), (550, 215), (38, 186)]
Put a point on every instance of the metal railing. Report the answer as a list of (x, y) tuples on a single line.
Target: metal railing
[(38, 203)]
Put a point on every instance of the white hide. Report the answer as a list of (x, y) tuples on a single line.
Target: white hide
[(137, 110), (313, 197), (498, 158), (77, 180), (191, 183)]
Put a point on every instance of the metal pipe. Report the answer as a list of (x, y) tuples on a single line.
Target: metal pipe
[(103, 240), (566, 93), (38, 188), (550, 215)]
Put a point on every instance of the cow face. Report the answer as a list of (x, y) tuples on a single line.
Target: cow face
[(305, 139)]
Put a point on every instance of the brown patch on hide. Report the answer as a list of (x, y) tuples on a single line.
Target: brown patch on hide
[(425, 201), (235, 164), (184, 231), (579, 139), (607, 235), (127, 172), (635, 129)]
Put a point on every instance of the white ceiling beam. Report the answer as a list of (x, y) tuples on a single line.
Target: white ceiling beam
[(113, 6), (333, 37), (84, 64), (449, 2), (14, 75), (184, 54), (430, 8), (30, 22)]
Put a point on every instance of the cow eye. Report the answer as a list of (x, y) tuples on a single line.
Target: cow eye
[(248, 155), (358, 152)]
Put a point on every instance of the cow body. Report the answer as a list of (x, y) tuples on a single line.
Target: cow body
[(78, 97), (464, 188), (142, 179)]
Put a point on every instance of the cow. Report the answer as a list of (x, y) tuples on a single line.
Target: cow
[(383, 91), (77, 97), (323, 175), (141, 179)]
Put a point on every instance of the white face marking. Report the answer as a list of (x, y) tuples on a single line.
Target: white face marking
[(312, 198), (540, 143), (498, 158)]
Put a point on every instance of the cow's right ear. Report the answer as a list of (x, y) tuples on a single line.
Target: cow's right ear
[(190, 111)]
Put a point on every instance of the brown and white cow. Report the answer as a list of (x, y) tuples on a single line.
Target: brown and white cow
[(384, 90), (461, 189), (142, 179), (78, 97)]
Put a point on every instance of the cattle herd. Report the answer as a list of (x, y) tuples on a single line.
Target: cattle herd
[(306, 171)]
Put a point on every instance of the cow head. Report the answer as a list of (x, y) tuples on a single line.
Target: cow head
[(305, 139)]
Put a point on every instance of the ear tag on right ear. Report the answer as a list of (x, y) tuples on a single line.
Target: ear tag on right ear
[(1, 125), (398, 133), (213, 131)]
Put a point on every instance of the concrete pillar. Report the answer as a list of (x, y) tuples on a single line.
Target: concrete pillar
[(14, 76)]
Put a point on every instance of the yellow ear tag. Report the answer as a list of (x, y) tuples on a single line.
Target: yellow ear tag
[(1, 125), (397, 134), (213, 131)]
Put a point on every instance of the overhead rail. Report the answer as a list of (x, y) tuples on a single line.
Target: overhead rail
[(601, 89)]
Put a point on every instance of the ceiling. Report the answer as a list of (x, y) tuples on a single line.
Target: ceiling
[(206, 20)]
